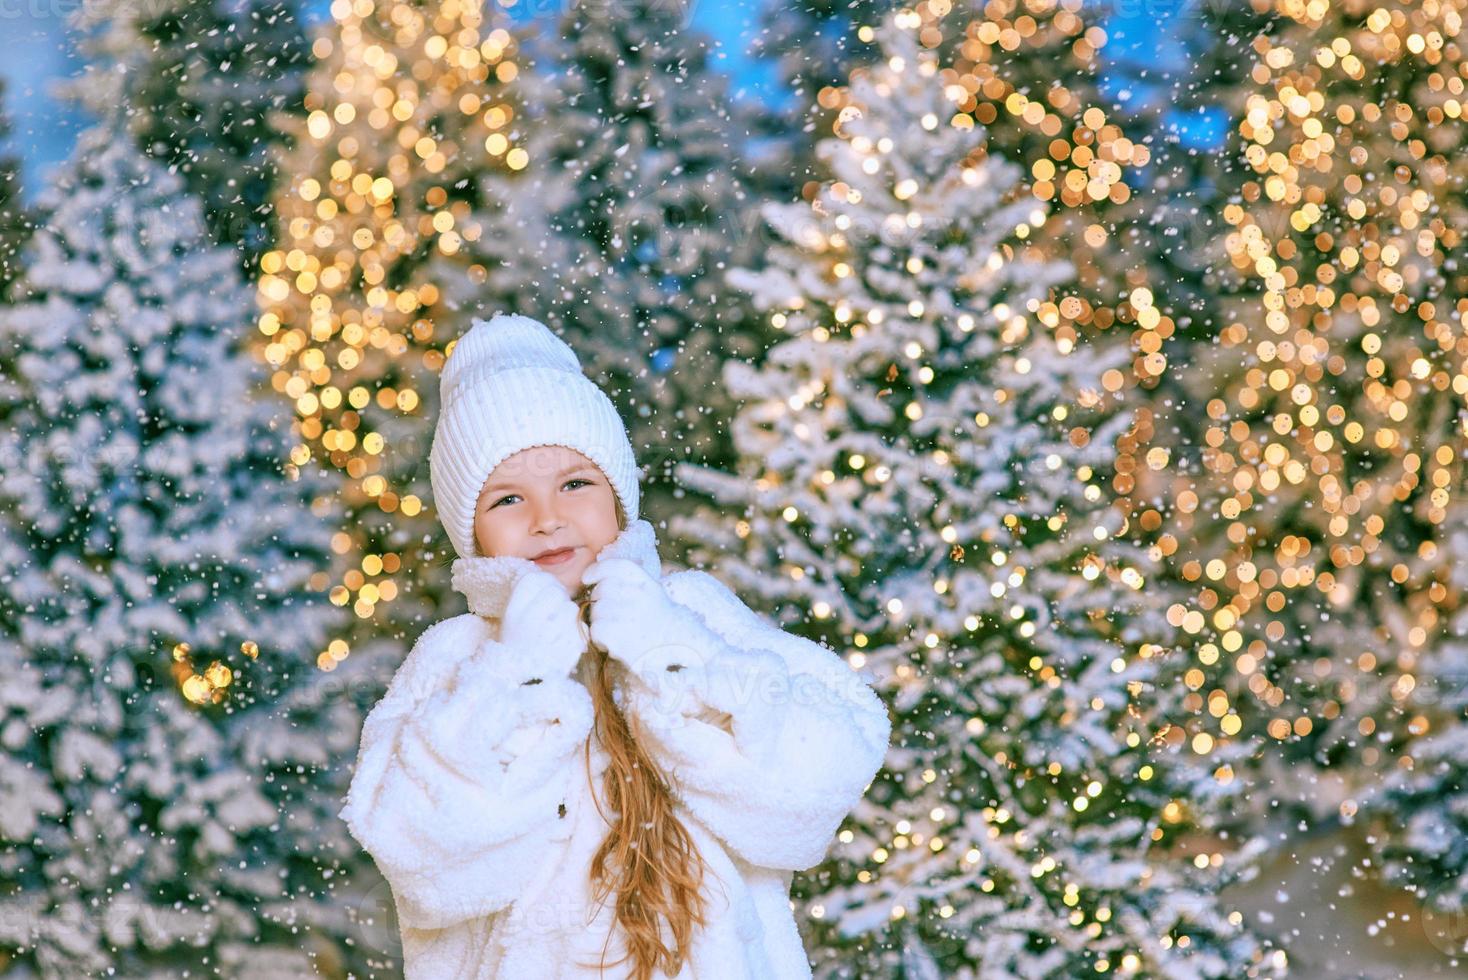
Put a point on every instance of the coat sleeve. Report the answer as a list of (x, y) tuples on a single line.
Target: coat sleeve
[(775, 741), (461, 770)]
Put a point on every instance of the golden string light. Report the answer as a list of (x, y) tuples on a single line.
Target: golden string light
[(207, 686), (1336, 437), (408, 102)]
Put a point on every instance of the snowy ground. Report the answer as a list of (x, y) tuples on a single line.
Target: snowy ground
[(1339, 924)]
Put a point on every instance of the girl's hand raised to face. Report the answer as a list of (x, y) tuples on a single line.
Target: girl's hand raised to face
[(663, 644), (540, 619), (628, 607)]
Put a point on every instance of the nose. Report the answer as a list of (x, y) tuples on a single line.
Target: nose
[(545, 518)]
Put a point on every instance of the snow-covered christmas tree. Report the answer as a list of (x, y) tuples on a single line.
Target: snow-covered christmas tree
[(170, 751), (922, 483), (633, 202)]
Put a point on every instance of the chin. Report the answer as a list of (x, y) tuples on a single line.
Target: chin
[(570, 576)]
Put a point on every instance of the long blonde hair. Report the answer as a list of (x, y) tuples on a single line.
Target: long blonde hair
[(648, 856)]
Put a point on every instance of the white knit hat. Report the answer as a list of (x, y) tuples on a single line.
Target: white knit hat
[(511, 384)]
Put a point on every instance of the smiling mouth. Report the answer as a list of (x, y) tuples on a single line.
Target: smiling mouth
[(555, 557)]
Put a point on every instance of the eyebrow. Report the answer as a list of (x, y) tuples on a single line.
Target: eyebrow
[(508, 484)]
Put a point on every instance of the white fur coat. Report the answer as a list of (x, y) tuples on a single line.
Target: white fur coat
[(471, 791)]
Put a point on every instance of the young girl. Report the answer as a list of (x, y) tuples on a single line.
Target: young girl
[(599, 770)]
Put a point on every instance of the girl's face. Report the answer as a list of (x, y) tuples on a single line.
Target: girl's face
[(547, 499)]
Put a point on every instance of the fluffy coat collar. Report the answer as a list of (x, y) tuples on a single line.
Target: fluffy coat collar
[(486, 582)]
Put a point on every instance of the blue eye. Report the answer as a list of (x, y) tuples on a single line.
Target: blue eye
[(509, 496)]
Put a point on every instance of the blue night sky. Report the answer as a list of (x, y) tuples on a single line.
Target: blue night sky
[(37, 50)]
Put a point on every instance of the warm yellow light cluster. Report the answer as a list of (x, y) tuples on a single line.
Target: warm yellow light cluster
[(1335, 453), (209, 685), (405, 102)]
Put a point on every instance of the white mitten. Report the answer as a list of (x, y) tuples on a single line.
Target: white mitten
[(680, 664), (541, 632)]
